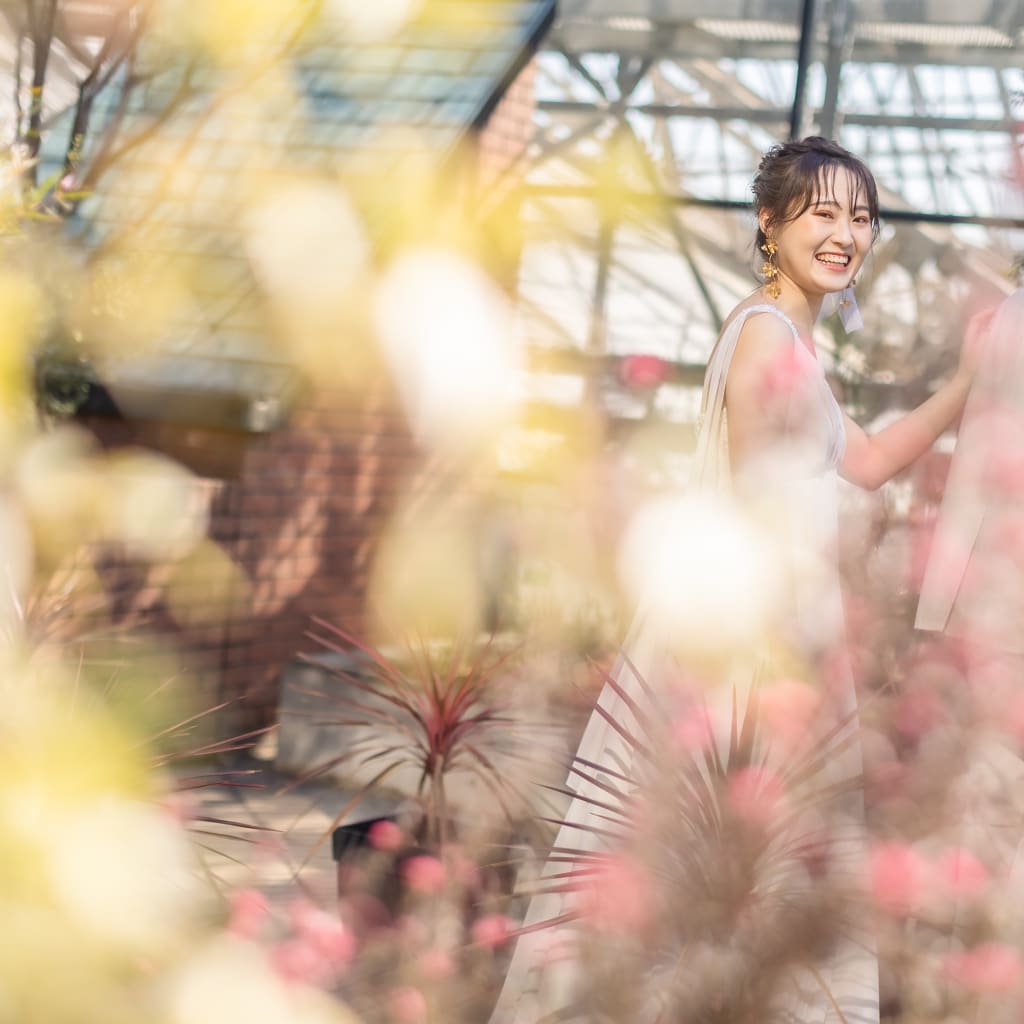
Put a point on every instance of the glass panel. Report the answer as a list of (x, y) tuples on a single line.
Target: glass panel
[(929, 94)]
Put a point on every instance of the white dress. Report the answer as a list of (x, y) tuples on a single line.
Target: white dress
[(838, 984)]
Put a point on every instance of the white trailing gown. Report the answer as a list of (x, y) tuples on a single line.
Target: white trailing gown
[(533, 985)]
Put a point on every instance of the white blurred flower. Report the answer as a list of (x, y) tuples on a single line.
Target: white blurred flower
[(126, 875), (60, 487), (367, 22), (426, 574), (15, 566), (705, 577), (229, 981), (306, 244), (153, 506), (448, 333)]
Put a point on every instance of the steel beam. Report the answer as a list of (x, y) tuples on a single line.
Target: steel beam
[(684, 42), (646, 199), (779, 115), (840, 46), (803, 62)]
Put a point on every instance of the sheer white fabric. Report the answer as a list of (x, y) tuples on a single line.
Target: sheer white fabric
[(538, 980)]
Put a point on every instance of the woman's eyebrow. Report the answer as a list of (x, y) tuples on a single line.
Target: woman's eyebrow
[(835, 204)]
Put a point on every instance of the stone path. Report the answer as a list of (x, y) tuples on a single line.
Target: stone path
[(278, 839)]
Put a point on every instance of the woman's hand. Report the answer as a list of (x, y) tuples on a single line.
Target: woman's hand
[(871, 460), (974, 343)]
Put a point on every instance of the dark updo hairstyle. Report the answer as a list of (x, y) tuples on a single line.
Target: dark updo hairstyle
[(793, 176)]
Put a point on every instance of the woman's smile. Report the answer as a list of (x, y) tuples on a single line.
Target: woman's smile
[(834, 260)]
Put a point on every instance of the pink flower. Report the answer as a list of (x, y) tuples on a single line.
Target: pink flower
[(692, 730), (408, 1005), (989, 968), (324, 932), (961, 874), (299, 961), (788, 710), (884, 779), (1013, 720), (918, 712), (385, 835), (643, 371), (463, 869), (993, 691), (249, 913), (491, 930), (424, 874), (352, 878), (180, 807), (897, 876), (435, 965), (618, 895), (412, 930), (756, 795), (364, 911)]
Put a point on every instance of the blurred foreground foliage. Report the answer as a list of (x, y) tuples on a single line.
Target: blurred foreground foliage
[(122, 240), (516, 523)]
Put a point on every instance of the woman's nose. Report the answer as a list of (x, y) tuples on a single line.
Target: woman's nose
[(842, 232)]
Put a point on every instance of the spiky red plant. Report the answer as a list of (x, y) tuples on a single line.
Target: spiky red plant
[(688, 852), (439, 712)]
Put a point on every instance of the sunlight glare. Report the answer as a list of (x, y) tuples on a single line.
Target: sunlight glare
[(367, 23), (154, 507), (702, 572), (306, 244), (125, 872), (447, 332)]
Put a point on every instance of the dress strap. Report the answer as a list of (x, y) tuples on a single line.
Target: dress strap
[(710, 469), (764, 307)]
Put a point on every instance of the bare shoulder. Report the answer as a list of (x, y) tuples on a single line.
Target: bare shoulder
[(764, 338)]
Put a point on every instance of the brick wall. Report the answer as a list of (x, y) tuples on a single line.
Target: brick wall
[(294, 530)]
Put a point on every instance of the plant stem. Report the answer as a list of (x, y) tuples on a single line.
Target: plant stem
[(439, 802)]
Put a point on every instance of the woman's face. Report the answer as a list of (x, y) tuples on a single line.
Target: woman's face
[(821, 250)]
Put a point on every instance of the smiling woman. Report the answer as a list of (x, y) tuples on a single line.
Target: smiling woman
[(826, 203), (773, 428), (689, 768), (818, 216)]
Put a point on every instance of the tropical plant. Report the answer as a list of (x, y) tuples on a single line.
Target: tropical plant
[(706, 871), (440, 710)]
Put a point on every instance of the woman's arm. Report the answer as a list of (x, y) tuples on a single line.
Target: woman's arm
[(871, 460), (758, 391)]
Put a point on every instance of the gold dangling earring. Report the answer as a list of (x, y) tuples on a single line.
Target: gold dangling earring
[(770, 269)]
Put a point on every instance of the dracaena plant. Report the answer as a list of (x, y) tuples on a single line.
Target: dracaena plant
[(706, 872), (439, 712)]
